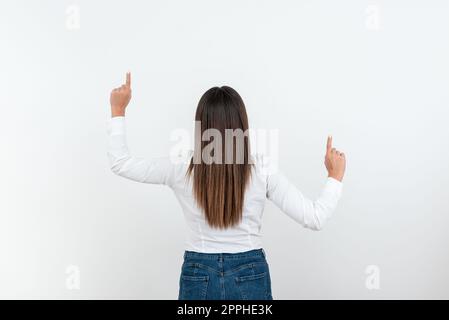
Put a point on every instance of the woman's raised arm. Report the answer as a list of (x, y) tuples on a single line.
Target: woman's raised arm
[(155, 170), (312, 214)]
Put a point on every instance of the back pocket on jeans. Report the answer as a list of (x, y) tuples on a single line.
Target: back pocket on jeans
[(253, 287), (193, 287)]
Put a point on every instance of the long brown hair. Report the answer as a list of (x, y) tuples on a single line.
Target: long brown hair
[(219, 186)]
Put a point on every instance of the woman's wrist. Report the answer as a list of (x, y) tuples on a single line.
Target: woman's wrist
[(117, 112), (336, 177)]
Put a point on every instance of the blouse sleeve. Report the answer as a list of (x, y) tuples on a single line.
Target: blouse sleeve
[(159, 170), (311, 214)]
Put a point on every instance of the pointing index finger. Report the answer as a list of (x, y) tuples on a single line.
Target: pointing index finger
[(128, 79), (329, 143)]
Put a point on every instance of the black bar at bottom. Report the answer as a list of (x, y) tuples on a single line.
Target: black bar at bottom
[(274, 309)]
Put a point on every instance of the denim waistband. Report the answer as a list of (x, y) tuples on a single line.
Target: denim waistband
[(240, 255)]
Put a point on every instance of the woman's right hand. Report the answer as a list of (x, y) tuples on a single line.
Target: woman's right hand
[(335, 161), (120, 97)]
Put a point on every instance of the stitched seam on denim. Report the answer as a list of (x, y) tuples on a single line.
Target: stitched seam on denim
[(202, 266), (248, 265), (244, 256), (266, 287), (251, 277), (195, 278), (204, 279), (226, 256), (203, 297)]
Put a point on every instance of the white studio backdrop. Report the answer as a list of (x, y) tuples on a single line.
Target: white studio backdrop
[(374, 74)]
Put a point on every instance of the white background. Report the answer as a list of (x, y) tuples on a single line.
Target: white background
[(375, 74)]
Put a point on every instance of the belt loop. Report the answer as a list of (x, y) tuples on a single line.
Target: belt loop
[(263, 252)]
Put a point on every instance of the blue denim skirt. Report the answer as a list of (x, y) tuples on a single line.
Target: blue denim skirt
[(225, 276)]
